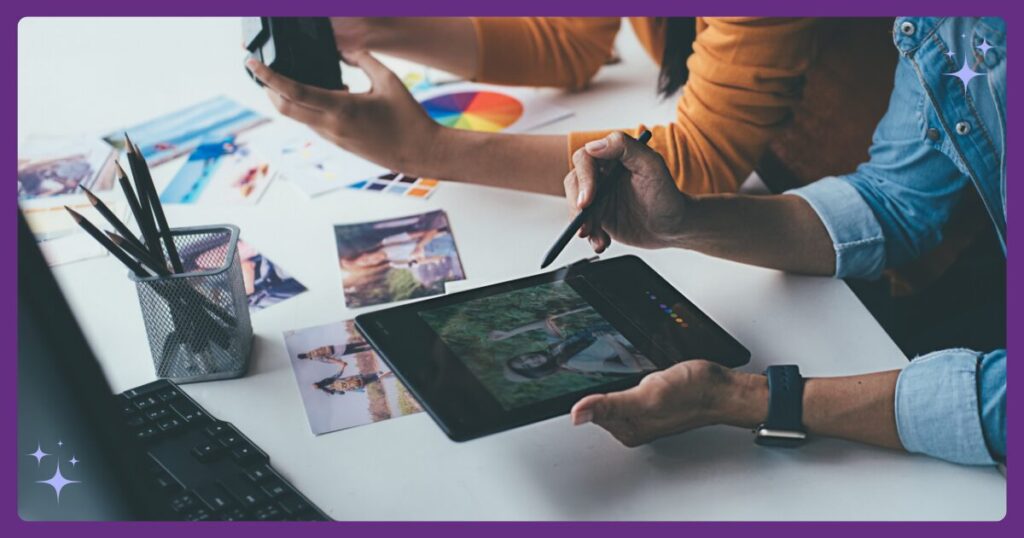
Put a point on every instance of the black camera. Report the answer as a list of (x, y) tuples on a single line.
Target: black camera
[(300, 48)]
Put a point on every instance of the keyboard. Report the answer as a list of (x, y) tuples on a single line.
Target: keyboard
[(205, 468)]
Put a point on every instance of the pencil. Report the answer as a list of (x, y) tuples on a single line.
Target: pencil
[(158, 210), (112, 218), (145, 216), (129, 193), (140, 253), (133, 265), (613, 175)]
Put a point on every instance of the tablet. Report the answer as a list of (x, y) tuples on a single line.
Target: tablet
[(494, 358)]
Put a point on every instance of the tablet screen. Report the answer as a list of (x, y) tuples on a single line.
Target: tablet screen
[(535, 343)]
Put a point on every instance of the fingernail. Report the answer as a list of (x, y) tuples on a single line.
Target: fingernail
[(579, 199), (583, 417), (596, 145)]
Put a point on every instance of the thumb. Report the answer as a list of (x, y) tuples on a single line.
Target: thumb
[(605, 407), (379, 73), (633, 154)]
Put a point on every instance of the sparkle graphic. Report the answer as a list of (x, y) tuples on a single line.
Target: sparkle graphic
[(984, 46), (74, 461), (965, 74), (38, 454), (951, 54), (60, 443), (58, 482)]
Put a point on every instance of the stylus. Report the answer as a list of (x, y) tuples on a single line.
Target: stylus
[(582, 216)]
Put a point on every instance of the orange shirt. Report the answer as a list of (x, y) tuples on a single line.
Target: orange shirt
[(745, 75)]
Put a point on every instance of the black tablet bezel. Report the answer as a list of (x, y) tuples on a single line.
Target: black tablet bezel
[(465, 409)]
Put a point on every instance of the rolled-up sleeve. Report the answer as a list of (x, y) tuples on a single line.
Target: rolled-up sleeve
[(951, 405), (856, 234)]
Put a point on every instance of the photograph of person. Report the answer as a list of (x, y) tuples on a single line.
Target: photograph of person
[(342, 381), (536, 343), (397, 259)]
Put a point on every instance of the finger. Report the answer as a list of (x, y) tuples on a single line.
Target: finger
[(379, 74), (298, 112), (614, 406), (583, 411), (572, 189), (308, 96), (587, 173), (628, 150)]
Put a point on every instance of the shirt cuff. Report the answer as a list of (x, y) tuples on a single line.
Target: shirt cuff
[(937, 407), (855, 232)]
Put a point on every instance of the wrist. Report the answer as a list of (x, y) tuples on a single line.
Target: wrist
[(678, 230), (742, 401)]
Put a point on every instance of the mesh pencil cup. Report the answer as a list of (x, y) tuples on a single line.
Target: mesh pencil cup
[(197, 321)]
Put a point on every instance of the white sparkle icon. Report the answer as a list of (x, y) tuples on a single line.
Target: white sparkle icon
[(58, 482), (74, 461), (965, 74), (38, 454), (983, 47)]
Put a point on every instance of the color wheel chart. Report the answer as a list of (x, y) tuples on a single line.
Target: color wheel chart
[(474, 110)]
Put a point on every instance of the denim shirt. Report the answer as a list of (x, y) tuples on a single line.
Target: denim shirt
[(942, 134)]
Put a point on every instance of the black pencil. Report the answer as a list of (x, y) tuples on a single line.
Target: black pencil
[(112, 218), (145, 217), (158, 211), (129, 194), (140, 253), (121, 255), (614, 175)]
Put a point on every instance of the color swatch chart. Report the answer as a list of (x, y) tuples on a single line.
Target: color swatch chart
[(475, 110), (398, 184)]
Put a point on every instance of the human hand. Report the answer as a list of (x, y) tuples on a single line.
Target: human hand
[(686, 396), (642, 207), (384, 125), (354, 34)]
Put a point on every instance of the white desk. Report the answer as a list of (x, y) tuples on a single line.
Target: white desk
[(72, 79)]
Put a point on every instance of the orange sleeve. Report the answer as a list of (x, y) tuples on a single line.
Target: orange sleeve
[(543, 51), (745, 75)]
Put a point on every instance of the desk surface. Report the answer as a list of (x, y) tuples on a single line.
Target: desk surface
[(71, 79)]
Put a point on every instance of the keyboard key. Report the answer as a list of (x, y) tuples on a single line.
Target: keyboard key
[(214, 497), (167, 395), (275, 489), (126, 406), (294, 505), (167, 483), (237, 514), (134, 421), (145, 402), (147, 433), (188, 411), (245, 492), (156, 413), (199, 514), (183, 503), (170, 425), (247, 455), (259, 474), (207, 452), (229, 440), (217, 429), (269, 513)]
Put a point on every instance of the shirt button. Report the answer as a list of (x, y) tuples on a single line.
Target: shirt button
[(962, 127), (932, 134), (907, 28)]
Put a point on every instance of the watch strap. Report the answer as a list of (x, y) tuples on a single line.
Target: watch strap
[(785, 407)]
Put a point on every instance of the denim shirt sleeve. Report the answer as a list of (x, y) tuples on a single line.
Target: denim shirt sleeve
[(893, 207), (951, 405)]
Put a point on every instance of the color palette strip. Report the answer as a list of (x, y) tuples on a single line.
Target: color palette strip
[(475, 110), (399, 185)]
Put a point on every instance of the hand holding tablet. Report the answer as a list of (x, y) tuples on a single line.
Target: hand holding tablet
[(494, 358)]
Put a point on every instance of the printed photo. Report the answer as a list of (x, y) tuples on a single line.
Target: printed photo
[(397, 259), (179, 132), (342, 381), (223, 172), (266, 283), (536, 343), (56, 167)]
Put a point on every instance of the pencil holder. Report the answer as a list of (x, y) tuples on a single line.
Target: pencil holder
[(197, 321)]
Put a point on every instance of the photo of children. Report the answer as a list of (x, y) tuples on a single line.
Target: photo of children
[(397, 259), (342, 381), (536, 343)]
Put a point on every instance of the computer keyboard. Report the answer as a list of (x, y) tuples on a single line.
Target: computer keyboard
[(205, 468)]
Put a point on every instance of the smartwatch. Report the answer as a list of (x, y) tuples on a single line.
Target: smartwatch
[(784, 425)]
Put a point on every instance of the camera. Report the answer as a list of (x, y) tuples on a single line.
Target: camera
[(300, 48)]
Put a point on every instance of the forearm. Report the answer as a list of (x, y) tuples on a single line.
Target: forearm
[(857, 408), (780, 232), (497, 160), (447, 43)]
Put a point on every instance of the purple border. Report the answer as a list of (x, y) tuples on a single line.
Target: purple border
[(14, 10)]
